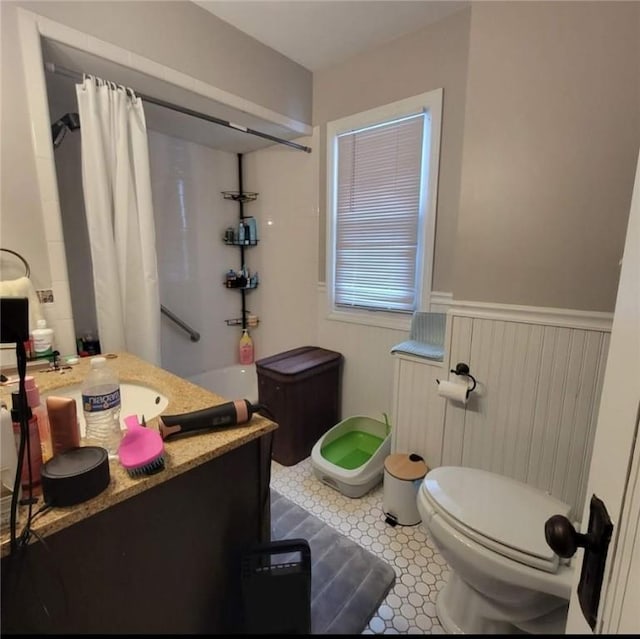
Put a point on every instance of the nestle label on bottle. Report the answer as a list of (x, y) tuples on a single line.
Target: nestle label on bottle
[(94, 403)]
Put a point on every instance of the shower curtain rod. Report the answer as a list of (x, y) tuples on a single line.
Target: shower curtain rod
[(76, 75)]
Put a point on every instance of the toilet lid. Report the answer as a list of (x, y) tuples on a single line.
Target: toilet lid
[(502, 513)]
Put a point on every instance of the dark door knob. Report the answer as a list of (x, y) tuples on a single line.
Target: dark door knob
[(563, 538)]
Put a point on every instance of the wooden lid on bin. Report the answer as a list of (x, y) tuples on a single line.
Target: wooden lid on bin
[(298, 361), (405, 467)]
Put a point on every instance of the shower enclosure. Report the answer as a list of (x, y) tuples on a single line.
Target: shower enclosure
[(190, 213)]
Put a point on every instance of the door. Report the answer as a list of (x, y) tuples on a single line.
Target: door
[(614, 474)]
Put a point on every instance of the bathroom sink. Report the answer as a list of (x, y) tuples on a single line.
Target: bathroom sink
[(136, 399)]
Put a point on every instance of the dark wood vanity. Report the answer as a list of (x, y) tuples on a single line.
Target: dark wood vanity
[(156, 555)]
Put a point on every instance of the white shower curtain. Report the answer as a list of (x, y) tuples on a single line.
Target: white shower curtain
[(117, 193)]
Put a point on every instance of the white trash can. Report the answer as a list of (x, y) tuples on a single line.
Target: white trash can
[(403, 475)]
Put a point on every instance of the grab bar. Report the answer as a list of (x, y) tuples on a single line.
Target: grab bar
[(194, 336)]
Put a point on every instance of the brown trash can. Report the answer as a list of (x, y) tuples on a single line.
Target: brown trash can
[(301, 389)]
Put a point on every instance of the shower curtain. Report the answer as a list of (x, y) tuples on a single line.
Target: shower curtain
[(117, 193)]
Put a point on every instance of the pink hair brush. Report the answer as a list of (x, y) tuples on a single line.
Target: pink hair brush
[(141, 451)]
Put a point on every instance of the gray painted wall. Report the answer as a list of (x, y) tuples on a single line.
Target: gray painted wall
[(433, 57), (551, 137), (541, 128)]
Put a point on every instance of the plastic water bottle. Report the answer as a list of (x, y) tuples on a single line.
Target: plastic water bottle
[(101, 406)]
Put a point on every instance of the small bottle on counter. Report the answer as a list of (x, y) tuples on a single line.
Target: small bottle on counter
[(42, 340), (40, 413), (63, 420), (91, 344), (33, 452)]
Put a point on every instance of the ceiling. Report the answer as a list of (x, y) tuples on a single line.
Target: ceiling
[(320, 33)]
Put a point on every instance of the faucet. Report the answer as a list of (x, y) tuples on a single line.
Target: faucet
[(55, 363)]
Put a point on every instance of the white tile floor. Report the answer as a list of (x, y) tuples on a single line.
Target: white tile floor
[(421, 571)]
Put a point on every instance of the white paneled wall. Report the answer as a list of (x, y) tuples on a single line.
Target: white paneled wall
[(533, 414), (418, 410)]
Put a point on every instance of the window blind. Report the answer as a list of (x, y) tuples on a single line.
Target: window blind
[(377, 216)]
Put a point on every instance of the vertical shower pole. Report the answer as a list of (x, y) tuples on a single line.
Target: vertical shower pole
[(241, 202)]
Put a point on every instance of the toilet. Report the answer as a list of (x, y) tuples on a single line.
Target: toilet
[(504, 578)]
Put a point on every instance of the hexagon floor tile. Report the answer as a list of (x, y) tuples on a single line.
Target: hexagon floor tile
[(421, 572)]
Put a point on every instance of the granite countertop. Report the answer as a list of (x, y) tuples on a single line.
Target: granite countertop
[(181, 453)]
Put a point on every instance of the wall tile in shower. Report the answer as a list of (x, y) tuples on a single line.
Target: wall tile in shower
[(190, 217)]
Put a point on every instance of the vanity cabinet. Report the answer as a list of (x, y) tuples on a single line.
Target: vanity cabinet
[(164, 561), (156, 553)]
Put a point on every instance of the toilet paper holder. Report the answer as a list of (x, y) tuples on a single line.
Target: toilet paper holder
[(463, 369)]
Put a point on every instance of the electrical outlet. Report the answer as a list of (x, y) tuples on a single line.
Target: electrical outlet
[(45, 295)]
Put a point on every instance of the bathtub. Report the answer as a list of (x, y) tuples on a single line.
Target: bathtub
[(231, 382)]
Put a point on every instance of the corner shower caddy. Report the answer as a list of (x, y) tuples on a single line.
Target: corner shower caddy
[(241, 197)]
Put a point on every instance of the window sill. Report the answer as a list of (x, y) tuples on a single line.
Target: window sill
[(371, 318)]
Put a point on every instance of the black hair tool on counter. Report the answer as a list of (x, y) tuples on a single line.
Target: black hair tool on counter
[(233, 413)]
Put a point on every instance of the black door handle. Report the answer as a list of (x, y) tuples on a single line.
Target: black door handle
[(564, 540)]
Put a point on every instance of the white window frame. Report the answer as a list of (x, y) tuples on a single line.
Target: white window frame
[(431, 104)]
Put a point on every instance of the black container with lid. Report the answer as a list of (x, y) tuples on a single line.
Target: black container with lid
[(301, 390), (75, 476)]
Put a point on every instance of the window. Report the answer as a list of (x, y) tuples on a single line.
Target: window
[(382, 177)]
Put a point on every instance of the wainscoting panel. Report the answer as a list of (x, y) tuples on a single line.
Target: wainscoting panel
[(533, 414), (418, 408), (534, 411), (460, 350), (506, 387)]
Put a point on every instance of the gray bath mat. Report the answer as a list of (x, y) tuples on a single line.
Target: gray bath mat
[(348, 583)]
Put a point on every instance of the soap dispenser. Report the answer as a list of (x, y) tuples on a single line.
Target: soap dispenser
[(246, 347)]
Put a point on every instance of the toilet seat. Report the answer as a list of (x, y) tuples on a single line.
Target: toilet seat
[(499, 513)]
